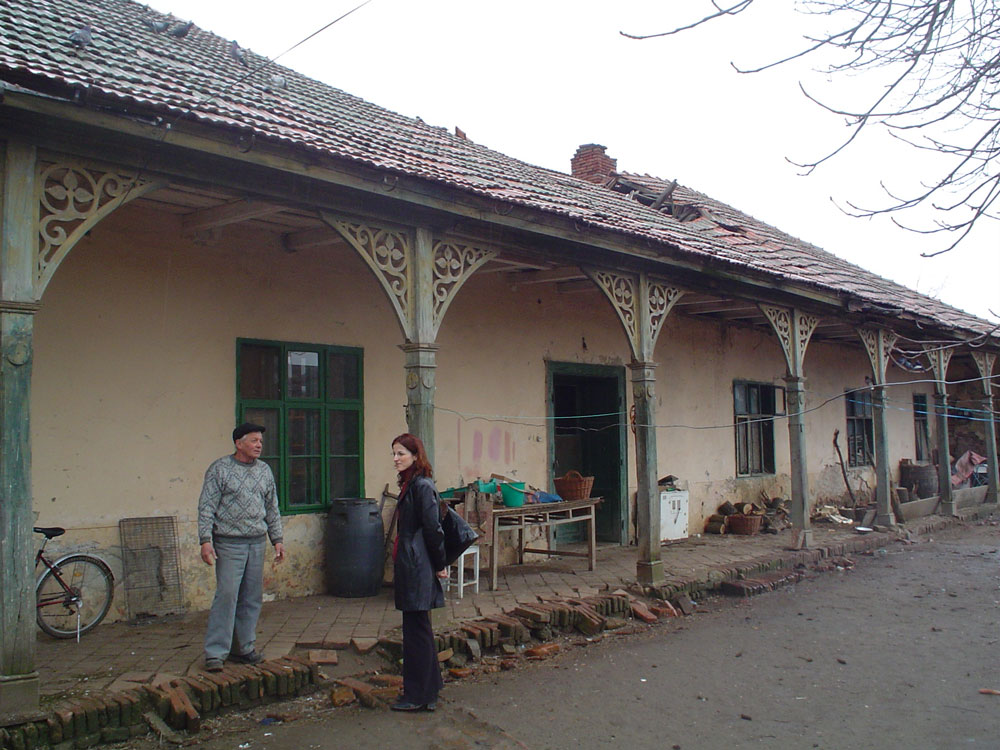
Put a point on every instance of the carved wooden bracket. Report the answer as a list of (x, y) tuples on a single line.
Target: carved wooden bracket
[(72, 198), (391, 255), (642, 304), (985, 362), (794, 328), (454, 263), (939, 358), (878, 343)]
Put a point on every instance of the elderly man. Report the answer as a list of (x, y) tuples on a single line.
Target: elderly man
[(238, 506)]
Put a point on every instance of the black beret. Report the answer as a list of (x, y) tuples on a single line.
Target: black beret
[(246, 428)]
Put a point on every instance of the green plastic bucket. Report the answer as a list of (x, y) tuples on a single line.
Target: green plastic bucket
[(487, 487), (512, 493)]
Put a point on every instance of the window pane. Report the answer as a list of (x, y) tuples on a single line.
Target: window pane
[(766, 400), (742, 464), (342, 376), (753, 399), (343, 433), (303, 432), (260, 371), (344, 479), (740, 398), (268, 419), (304, 481), (303, 374)]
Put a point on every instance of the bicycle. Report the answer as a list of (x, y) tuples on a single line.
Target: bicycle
[(74, 593)]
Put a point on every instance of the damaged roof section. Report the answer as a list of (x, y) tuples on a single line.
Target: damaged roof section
[(128, 69)]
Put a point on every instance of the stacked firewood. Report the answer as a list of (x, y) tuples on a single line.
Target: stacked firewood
[(773, 513)]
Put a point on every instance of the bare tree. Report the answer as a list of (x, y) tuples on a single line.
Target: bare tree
[(937, 66)]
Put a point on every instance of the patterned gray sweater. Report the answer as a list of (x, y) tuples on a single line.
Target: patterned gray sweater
[(239, 500)]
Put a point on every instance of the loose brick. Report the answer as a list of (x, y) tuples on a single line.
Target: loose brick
[(460, 672), (387, 680), (342, 696), (543, 651), (364, 645), (642, 612), (114, 734), (324, 656)]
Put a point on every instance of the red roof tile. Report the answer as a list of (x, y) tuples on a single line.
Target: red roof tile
[(196, 75)]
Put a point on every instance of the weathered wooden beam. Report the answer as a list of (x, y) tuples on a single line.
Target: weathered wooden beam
[(307, 238), (228, 213)]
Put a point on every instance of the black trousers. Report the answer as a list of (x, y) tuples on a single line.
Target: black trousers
[(421, 673)]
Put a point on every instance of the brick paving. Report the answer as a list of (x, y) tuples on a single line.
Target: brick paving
[(121, 655)]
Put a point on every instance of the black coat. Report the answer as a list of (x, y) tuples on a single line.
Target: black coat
[(420, 553)]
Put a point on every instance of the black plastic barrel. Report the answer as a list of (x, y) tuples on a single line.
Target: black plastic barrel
[(354, 539)]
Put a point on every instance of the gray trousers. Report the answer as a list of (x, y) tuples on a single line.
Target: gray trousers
[(239, 576)]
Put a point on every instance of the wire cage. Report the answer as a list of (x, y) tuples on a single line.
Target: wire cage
[(152, 566)]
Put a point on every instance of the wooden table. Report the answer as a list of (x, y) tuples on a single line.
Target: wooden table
[(544, 515)]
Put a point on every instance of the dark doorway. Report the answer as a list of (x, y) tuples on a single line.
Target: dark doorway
[(587, 433)]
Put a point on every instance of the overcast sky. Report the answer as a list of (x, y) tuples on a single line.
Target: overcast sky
[(537, 79)]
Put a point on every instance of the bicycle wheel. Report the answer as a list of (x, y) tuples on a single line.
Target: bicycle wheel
[(84, 584)]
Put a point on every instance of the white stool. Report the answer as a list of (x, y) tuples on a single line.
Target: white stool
[(457, 577)]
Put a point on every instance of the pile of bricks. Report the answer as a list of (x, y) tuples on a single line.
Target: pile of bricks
[(179, 704)]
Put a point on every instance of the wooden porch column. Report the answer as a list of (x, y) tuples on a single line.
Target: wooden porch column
[(18, 678), (642, 304), (878, 343), (985, 362), (939, 359), (421, 274), (794, 328), (649, 567)]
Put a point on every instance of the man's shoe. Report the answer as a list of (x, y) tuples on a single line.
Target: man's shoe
[(213, 665), (402, 705), (252, 658), (430, 706)]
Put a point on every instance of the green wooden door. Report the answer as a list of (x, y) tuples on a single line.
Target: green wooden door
[(587, 433)]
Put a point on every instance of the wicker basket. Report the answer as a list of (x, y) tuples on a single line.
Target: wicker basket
[(573, 486), (746, 525)]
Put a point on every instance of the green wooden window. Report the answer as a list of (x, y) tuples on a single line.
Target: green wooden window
[(754, 408), (860, 428), (921, 428), (310, 400)]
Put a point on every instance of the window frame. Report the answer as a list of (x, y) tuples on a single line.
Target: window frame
[(277, 449), (862, 423), (757, 427)]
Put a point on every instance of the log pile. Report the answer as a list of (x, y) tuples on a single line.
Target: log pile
[(773, 513)]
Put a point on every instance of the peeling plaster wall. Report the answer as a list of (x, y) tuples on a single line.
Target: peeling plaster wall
[(134, 384)]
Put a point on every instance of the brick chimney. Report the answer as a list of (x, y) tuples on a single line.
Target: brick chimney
[(590, 163)]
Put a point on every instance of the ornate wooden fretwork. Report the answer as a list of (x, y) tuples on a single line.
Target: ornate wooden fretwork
[(878, 343), (793, 328), (939, 357), (454, 263), (985, 362), (72, 198), (389, 253), (642, 304)]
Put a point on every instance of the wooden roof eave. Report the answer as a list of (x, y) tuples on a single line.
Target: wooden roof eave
[(441, 204)]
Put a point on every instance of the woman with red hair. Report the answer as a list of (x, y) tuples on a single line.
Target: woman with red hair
[(419, 565)]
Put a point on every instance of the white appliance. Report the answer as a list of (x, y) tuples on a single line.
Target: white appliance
[(673, 514)]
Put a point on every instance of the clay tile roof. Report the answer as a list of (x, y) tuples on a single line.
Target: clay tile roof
[(159, 73)]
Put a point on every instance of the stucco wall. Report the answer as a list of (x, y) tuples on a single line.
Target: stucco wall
[(134, 382)]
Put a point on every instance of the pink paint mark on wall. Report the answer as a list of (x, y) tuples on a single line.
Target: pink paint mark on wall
[(493, 450), (506, 447), (477, 446)]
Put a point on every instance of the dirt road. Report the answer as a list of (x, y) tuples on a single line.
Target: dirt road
[(891, 654)]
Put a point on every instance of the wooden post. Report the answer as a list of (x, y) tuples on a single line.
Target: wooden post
[(991, 448), (421, 365), (649, 567), (944, 453), (796, 401), (883, 475), (18, 678), (421, 351)]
